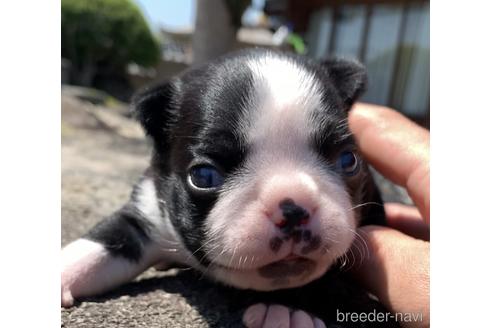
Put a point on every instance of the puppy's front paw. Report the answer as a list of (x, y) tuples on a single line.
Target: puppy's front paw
[(279, 316), (66, 297)]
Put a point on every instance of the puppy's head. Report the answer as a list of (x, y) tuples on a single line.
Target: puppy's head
[(258, 169)]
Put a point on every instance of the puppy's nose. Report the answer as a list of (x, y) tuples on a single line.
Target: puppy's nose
[(293, 215)]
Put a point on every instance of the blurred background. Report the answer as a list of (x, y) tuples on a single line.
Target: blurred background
[(118, 46)]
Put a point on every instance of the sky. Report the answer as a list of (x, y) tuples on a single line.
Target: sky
[(174, 14)]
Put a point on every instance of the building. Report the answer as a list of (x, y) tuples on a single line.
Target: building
[(391, 38)]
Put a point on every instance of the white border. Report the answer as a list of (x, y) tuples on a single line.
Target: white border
[(461, 166), (461, 89), (30, 169)]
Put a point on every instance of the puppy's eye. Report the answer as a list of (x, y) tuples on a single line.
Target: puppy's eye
[(205, 177), (348, 163)]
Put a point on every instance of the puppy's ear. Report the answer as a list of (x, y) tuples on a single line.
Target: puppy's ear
[(348, 76), (155, 107)]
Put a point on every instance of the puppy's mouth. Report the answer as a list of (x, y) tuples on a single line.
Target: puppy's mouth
[(289, 266), (291, 257)]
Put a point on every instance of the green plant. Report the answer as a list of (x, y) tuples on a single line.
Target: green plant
[(105, 35)]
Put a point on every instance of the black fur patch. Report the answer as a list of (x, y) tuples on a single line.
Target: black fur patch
[(124, 233)]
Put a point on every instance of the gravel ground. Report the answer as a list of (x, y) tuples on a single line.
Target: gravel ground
[(103, 154)]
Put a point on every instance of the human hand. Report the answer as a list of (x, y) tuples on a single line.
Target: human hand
[(397, 267)]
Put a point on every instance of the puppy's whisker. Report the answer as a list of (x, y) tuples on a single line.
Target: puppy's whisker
[(365, 248), (207, 268), (343, 260), (365, 243), (364, 204), (332, 240), (233, 255), (210, 241), (351, 263), (252, 260), (206, 254)]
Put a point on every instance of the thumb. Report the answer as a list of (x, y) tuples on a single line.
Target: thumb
[(396, 271)]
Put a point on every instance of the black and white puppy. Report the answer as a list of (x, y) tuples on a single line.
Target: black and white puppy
[(255, 180)]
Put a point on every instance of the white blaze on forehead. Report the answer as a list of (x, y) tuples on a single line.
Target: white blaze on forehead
[(285, 94)]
